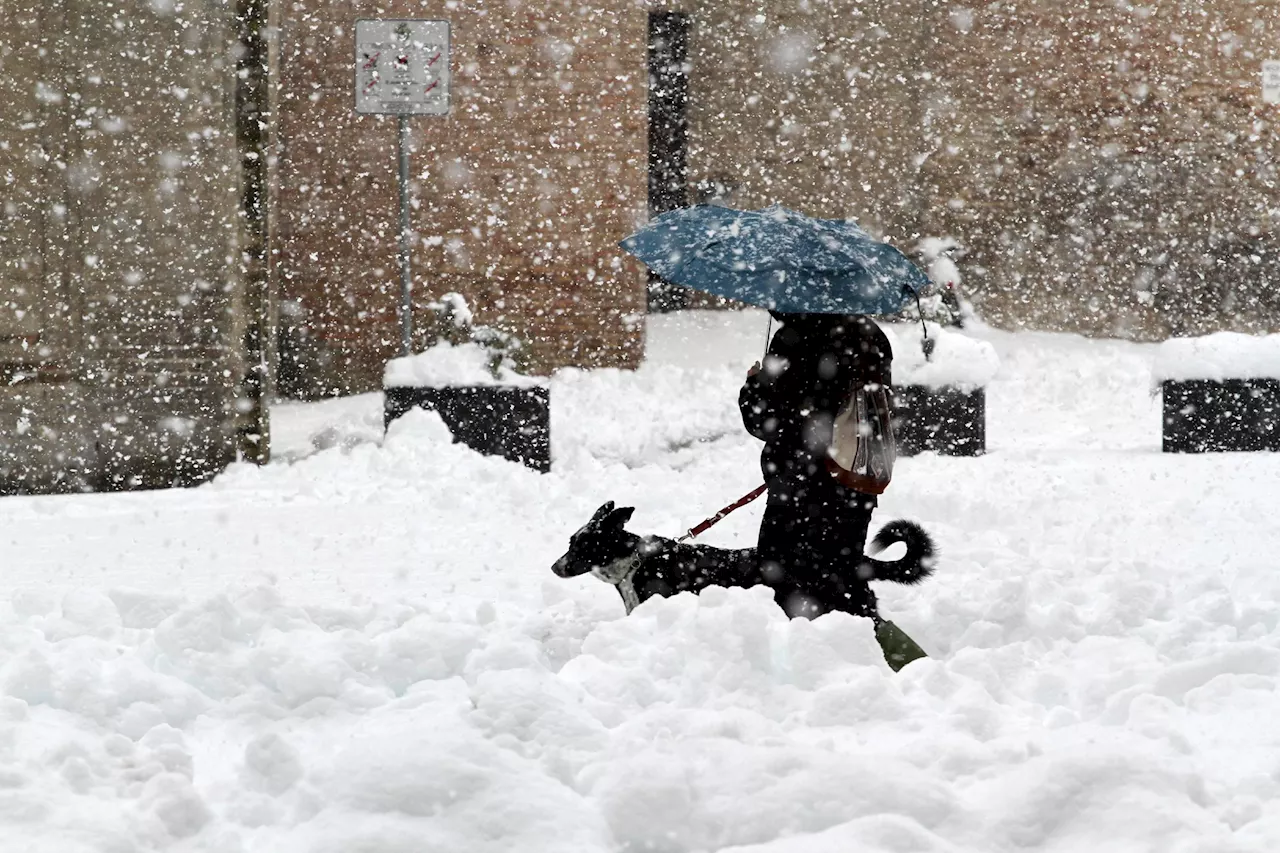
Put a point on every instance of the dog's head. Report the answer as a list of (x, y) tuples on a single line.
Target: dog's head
[(600, 543)]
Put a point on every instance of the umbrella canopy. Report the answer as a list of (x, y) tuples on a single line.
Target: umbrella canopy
[(778, 259)]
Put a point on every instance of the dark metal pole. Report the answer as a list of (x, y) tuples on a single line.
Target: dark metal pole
[(253, 133), (406, 277)]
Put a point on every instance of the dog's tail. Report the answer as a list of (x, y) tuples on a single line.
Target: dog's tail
[(914, 566)]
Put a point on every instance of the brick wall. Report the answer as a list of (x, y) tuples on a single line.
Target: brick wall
[(520, 193), (1109, 169)]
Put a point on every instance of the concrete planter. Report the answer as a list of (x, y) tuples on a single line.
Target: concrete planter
[(513, 422), (1221, 392), (946, 420), (1209, 415), (941, 400)]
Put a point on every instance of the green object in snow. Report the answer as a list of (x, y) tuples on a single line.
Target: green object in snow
[(899, 649)]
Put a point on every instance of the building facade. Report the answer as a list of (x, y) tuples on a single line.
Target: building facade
[(123, 298), (1109, 169), (520, 195)]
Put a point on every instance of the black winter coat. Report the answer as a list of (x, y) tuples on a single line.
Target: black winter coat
[(814, 529), (806, 378)]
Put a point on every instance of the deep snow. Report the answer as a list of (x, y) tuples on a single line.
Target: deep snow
[(365, 650)]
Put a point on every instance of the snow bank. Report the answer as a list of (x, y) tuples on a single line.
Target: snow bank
[(419, 726), (708, 338), (243, 722), (958, 360), (678, 412), (300, 429), (417, 460), (366, 650), (1222, 355), (444, 365)]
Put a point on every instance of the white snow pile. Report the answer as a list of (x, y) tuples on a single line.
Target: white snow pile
[(430, 726), (958, 360), (703, 416), (365, 651), (446, 365), (301, 429), (244, 723), (1222, 355), (418, 458)]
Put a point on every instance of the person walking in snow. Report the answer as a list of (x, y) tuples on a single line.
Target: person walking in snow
[(814, 528)]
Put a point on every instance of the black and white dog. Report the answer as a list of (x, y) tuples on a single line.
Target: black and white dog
[(644, 566)]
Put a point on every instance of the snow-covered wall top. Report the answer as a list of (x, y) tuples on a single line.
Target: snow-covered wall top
[(444, 365), (958, 360), (1222, 355)]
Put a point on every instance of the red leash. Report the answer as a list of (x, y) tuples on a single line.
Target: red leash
[(715, 519)]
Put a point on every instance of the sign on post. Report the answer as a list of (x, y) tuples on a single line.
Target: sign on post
[(1271, 82), (402, 69)]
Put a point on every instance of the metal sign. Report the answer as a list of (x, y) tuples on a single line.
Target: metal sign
[(1271, 82), (402, 67)]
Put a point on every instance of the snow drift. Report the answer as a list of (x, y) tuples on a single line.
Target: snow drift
[(365, 650)]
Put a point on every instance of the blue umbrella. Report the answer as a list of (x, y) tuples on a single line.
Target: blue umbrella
[(778, 259)]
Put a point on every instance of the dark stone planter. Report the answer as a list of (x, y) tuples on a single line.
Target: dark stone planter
[(497, 420), (945, 420), (1206, 415)]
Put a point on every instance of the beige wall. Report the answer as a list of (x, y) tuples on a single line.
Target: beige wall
[(1111, 169), (835, 136), (1124, 172), (120, 293)]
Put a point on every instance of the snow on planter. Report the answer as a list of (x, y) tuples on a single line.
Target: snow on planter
[(958, 361), (941, 401), (487, 406), (446, 365), (1222, 355), (1221, 392)]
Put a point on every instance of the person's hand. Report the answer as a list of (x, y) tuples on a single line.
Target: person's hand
[(753, 370)]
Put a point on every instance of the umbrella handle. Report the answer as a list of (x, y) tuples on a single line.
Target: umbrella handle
[(767, 336)]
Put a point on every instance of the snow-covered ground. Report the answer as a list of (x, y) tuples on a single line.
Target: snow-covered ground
[(363, 650)]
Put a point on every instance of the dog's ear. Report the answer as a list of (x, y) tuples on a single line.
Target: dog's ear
[(603, 511), (619, 517)]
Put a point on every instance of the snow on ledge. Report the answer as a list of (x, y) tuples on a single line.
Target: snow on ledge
[(444, 365), (958, 360), (1222, 355)]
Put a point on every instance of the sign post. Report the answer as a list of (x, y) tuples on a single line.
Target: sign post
[(1271, 82), (402, 69)]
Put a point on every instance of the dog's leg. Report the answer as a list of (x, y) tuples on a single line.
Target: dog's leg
[(627, 589), (622, 575)]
